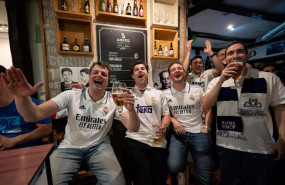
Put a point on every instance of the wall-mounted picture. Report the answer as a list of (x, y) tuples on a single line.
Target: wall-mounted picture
[(83, 75), (160, 79), (68, 76), (274, 48)]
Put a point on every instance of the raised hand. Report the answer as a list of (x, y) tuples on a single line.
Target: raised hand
[(189, 45), (208, 48), (15, 81), (128, 98)]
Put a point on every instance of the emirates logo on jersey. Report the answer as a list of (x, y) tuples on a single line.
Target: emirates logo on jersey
[(105, 111), (153, 99), (192, 97)]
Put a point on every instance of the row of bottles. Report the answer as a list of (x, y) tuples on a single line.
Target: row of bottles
[(166, 52), (75, 45), (122, 9), (64, 7)]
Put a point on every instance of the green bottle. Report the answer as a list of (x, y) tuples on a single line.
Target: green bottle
[(102, 6)]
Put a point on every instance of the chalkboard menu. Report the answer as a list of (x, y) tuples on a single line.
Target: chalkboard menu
[(121, 47)]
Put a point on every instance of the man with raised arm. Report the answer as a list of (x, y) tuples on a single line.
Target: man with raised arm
[(15, 132), (90, 115), (244, 124)]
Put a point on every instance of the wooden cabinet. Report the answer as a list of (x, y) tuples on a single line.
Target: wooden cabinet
[(164, 14), (102, 16), (164, 37), (73, 23)]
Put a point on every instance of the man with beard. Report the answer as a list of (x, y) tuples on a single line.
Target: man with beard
[(185, 103), (144, 160), (244, 125), (90, 116)]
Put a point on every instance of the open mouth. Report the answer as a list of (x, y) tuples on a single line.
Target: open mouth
[(99, 82), (141, 76)]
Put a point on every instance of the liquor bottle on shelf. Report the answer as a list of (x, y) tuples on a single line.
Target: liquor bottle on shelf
[(155, 49), (75, 45), (63, 5), (115, 7), (102, 6), (64, 44), (166, 51), (86, 46), (109, 6), (160, 51), (86, 7), (141, 9), (129, 9), (171, 52), (135, 9)]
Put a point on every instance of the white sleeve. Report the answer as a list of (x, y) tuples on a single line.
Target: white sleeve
[(63, 99)]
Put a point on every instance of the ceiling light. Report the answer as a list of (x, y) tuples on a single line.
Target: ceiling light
[(230, 27), (4, 27)]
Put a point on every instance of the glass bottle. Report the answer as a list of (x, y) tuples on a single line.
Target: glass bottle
[(102, 6), (155, 49), (64, 44), (135, 9), (115, 7), (86, 7), (63, 5), (75, 45), (109, 6), (141, 9), (129, 9), (160, 51), (86, 46), (171, 52), (166, 51)]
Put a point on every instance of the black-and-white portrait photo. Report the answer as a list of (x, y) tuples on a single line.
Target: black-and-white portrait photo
[(69, 75), (160, 79)]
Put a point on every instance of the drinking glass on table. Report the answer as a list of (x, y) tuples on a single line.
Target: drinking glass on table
[(239, 65), (117, 89)]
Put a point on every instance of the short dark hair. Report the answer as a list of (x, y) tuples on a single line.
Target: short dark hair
[(269, 64), (84, 70), (172, 65), (65, 69), (197, 56), (161, 72), (238, 42), (2, 69), (137, 63), (100, 63)]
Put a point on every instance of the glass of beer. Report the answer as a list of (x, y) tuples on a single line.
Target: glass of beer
[(239, 65), (117, 89), (156, 139)]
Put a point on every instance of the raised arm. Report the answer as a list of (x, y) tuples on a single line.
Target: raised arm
[(187, 57), (132, 121), (17, 84), (218, 64), (210, 98)]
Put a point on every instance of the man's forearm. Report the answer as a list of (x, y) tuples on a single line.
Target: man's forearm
[(211, 97), (134, 121)]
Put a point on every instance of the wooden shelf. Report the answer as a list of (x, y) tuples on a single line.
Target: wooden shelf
[(73, 28), (164, 37), (73, 23), (164, 14), (61, 13), (90, 54), (122, 18)]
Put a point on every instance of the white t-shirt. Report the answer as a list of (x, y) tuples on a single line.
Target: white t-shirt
[(185, 106), (88, 122), (260, 90), (201, 81), (150, 106)]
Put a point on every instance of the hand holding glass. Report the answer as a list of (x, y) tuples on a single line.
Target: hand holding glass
[(156, 139), (239, 65), (117, 89)]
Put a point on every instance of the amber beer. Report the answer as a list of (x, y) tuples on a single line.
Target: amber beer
[(157, 140), (239, 65), (117, 102)]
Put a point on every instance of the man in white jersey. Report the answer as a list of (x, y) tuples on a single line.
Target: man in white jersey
[(144, 162), (184, 101), (90, 115), (244, 124)]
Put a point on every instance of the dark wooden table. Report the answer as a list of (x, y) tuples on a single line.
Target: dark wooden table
[(23, 166)]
